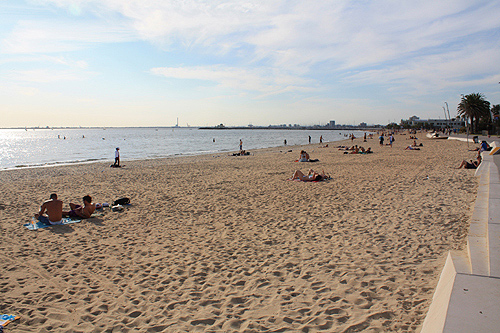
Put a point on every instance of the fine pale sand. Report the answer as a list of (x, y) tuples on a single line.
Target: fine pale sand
[(218, 243)]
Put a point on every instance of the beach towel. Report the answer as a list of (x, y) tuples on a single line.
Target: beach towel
[(5, 319), (35, 224)]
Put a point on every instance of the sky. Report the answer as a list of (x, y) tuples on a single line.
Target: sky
[(150, 62)]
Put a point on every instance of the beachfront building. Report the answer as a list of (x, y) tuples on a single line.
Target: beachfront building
[(433, 123)]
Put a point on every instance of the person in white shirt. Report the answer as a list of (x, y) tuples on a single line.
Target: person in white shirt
[(117, 157)]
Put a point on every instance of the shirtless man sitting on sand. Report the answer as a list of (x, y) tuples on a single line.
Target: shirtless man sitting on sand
[(50, 211), (78, 211)]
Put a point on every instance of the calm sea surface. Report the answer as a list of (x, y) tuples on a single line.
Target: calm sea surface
[(46, 147)]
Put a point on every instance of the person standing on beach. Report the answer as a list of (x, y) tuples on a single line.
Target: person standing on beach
[(391, 139), (309, 139), (50, 211), (321, 139), (241, 145), (381, 139), (117, 157)]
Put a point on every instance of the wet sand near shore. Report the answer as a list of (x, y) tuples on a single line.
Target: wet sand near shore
[(217, 243)]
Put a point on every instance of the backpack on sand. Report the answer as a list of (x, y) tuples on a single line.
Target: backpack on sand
[(121, 201)]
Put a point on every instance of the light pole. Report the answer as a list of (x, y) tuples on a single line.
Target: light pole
[(466, 122), (447, 109)]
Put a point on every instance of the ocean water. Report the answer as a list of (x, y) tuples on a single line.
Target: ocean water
[(47, 147)]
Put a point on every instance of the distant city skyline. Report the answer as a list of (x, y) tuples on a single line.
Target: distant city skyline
[(330, 124), (147, 63)]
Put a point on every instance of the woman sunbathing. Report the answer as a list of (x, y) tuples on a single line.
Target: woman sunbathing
[(472, 164), (304, 157), (311, 176)]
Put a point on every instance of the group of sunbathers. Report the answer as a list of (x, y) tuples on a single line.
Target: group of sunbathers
[(51, 211), (241, 153), (356, 150)]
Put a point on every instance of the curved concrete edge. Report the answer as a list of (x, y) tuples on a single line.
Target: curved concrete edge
[(467, 296), (460, 139), (436, 316)]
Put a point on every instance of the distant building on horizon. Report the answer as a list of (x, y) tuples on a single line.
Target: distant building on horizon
[(434, 123)]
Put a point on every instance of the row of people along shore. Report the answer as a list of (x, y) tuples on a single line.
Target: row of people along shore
[(316, 176), (51, 211)]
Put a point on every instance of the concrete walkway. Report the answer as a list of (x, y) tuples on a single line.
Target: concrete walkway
[(467, 297)]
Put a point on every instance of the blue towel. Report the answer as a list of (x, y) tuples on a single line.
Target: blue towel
[(35, 224)]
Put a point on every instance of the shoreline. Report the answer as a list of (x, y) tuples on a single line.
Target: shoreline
[(140, 143), (71, 163), (223, 243)]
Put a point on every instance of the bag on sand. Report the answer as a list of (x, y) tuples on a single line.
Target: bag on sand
[(121, 201)]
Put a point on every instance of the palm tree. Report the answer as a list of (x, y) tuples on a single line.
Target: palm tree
[(495, 110), (474, 107)]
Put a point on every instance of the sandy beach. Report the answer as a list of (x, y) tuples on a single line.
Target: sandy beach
[(217, 243)]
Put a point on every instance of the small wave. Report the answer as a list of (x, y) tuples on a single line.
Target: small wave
[(53, 164)]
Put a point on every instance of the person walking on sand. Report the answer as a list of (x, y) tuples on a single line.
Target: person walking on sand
[(391, 139), (241, 145), (117, 157), (381, 139), (50, 211), (78, 211)]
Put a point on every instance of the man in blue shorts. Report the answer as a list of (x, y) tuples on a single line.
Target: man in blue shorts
[(50, 211)]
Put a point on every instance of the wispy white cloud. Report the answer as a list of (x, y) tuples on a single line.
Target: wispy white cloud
[(291, 35), (238, 78), (263, 48), (48, 37), (42, 75), (435, 73)]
